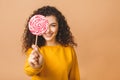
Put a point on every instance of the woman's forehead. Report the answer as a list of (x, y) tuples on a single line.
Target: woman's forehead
[(51, 19)]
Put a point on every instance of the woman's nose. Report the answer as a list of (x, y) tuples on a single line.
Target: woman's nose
[(48, 30)]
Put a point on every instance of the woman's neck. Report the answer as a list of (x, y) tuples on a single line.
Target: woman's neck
[(51, 43)]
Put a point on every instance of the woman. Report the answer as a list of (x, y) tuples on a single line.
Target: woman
[(54, 57)]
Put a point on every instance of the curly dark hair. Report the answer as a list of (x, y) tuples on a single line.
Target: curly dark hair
[(64, 35)]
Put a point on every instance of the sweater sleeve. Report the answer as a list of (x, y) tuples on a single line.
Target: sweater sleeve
[(74, 72), (28, 69)]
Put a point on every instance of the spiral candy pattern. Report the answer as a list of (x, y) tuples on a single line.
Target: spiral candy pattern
[(38, 25)]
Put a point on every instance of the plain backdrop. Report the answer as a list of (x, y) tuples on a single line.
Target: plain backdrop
[(95, 25)]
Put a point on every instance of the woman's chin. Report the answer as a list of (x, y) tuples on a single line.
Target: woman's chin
[(48, 39)]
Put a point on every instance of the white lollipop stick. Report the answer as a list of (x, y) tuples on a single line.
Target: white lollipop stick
[(36, 40)]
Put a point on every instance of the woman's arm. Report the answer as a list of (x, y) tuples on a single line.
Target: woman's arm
[(34, 62), (74, 72)]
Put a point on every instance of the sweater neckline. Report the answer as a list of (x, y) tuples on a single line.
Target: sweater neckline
[(52, 46)]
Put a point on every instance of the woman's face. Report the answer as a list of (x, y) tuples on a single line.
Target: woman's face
[(50, 34)]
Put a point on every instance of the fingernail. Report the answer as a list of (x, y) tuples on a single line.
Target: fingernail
[(36, 48), (33, 46)]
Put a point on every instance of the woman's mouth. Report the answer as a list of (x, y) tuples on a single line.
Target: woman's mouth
[(49, 34)]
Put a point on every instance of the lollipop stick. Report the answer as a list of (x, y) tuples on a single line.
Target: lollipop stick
[(36, 44), (36, 40)]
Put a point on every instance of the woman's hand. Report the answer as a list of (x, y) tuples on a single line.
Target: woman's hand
[(35, 59)]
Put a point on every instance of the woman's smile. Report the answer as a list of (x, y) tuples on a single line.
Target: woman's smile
[(48, 34)]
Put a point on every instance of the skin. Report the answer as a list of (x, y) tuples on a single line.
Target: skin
[(50, 34), (36, 59)]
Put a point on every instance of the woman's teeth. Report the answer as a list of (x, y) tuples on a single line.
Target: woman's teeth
[(49, 35)]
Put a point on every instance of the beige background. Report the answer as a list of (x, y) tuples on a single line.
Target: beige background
[(94, 23)]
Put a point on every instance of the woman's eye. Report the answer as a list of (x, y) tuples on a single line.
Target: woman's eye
[(53, 25)]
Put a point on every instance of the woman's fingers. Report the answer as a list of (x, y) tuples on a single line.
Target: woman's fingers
[(34, 53), (35, 50), (35, 47), (35, 58)]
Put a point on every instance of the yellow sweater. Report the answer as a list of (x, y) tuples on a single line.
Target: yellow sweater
[(60, 63)]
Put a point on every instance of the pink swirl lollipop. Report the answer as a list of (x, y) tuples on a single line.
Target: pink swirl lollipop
[(38, 25)]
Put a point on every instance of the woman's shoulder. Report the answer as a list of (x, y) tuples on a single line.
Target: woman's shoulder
[(69, 47)]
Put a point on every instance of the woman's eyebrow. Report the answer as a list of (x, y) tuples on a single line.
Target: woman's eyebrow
[(53, 23)]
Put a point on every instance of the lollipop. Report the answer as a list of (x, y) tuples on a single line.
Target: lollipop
[(38, 25)]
